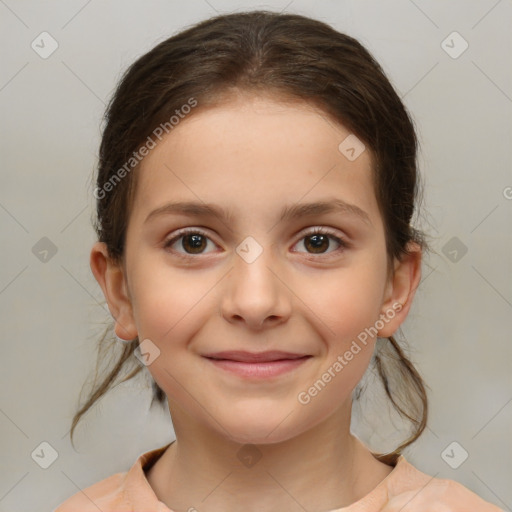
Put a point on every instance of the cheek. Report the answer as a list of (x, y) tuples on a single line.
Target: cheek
[(167, 309), (345, 302), (167, 301)]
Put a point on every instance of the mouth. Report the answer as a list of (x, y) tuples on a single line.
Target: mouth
[(257, 364), (254, 357)]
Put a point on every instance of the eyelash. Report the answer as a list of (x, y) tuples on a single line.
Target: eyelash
[(315, 231)]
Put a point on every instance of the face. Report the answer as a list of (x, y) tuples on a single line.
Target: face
[(254, 280)]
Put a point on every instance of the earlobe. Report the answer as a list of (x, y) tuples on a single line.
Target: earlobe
[(400, 290), (110, 277)]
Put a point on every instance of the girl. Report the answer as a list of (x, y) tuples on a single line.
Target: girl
[(256, 184)]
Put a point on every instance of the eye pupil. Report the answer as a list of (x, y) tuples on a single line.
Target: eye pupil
[(197, 244), (317, 241)]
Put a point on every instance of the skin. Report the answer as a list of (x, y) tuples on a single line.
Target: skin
[(252, 155)]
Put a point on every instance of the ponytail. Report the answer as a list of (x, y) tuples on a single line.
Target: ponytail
[(405, 389)]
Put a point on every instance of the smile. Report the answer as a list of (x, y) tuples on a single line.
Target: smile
[(259, 366)]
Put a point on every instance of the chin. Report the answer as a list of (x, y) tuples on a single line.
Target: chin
[(258, 437), (262, 428)]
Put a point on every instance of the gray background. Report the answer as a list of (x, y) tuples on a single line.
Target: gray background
[(52, 311)]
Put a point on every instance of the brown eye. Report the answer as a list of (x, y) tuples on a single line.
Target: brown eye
[(192, 242), (317, 243), (195, 242), (320, 241)]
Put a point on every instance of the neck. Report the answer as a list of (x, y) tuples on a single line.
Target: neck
[(321, 469)]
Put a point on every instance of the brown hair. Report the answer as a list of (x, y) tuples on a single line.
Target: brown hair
[(293, 57)]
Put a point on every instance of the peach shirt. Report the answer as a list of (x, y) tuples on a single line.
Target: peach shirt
[(130, 491)]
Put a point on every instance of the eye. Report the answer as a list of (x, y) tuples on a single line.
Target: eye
[(193, 241), (318, 240)]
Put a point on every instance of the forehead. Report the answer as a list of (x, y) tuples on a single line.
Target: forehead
[(254, 151)]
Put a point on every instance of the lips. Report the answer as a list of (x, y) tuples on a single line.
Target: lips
[(254, 357), (257, 366)]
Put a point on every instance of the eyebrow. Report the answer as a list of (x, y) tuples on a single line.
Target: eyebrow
[(289, 212)]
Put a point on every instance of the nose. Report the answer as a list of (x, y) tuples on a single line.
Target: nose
[(256, 293)]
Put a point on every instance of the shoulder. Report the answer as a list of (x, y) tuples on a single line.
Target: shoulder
[(406, 477), (106, 495), (406, 483), (129, 490)]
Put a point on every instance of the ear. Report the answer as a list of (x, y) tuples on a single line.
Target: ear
[(111, 278), (400, 291)]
